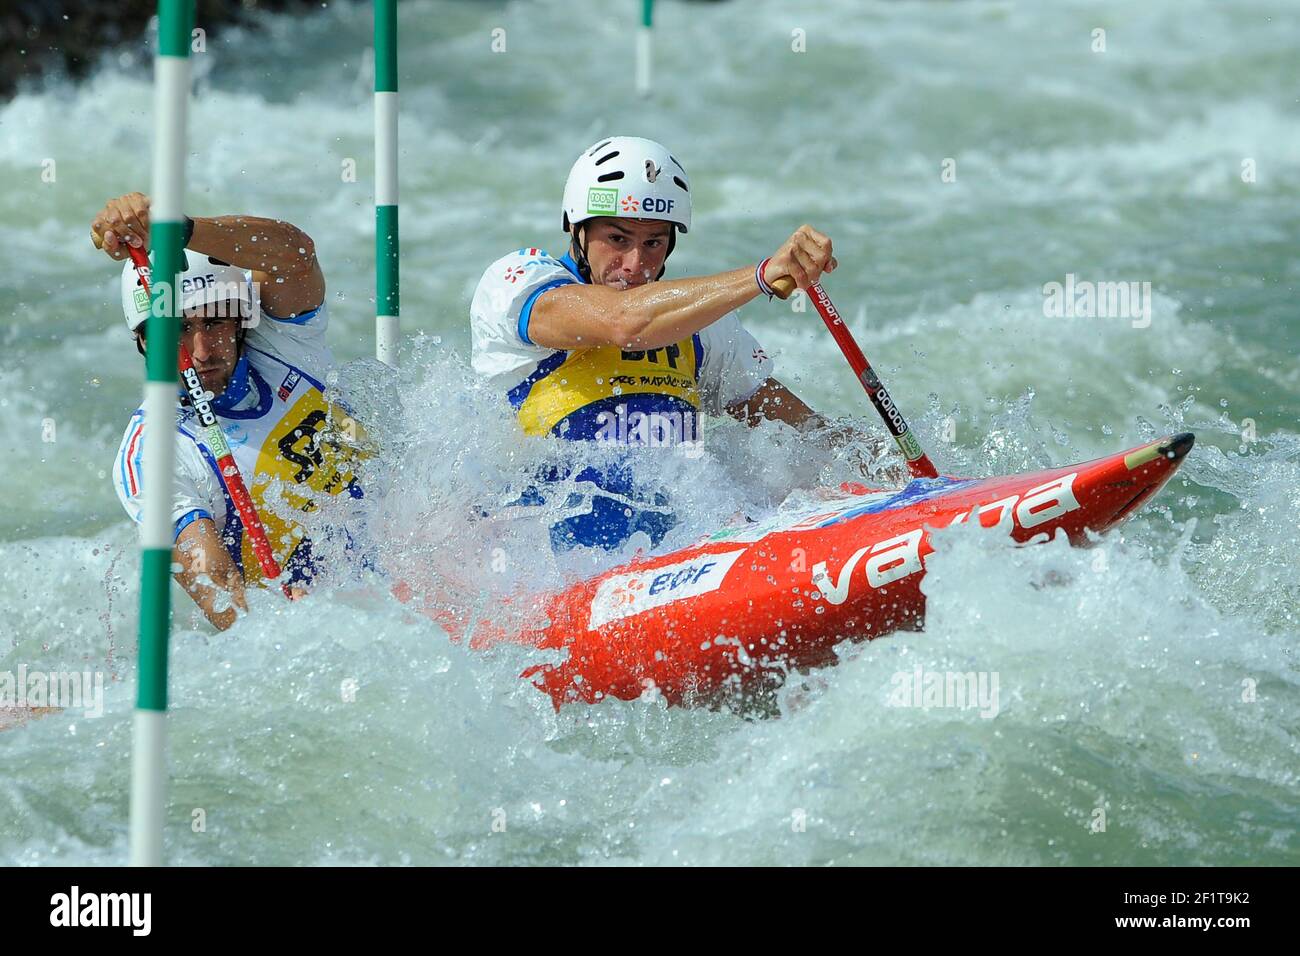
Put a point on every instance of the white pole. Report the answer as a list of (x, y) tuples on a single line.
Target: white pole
[(644, 49), (149, 757), (387, 301)]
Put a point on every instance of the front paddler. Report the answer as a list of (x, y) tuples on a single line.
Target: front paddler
[(254, 319), (596, 346)]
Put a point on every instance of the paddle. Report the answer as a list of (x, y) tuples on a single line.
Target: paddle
[(196, 395), (918, 463)]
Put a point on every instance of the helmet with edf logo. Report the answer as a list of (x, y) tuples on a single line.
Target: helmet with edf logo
[(203, 280), (627, 177)]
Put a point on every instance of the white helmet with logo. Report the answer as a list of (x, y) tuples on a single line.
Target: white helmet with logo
[(630, 178), (203, 280)]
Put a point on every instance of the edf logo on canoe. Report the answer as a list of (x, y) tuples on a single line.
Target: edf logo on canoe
[(623, 595), (677, 579)]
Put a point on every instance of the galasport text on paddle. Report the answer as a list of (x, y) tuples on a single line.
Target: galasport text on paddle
[(918, 462), (199, 400)]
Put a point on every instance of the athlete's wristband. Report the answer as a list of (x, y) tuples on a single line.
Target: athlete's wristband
[(763, 287), (189, 232)]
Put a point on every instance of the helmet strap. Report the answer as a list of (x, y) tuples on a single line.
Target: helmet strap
[(578, 247), (672, 244)]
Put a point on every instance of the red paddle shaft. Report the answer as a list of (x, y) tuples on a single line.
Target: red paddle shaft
[(918, 463)]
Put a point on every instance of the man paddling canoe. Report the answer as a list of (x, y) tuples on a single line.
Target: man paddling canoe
[(594, 346), (254, 319)]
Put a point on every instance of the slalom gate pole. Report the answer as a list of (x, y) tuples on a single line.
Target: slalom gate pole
[(387, 303), (162, 331)]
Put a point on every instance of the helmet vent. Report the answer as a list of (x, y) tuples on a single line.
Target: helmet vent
[(607, 157), (610, 177), (677, 164), (598, 147), (217, 262), (682, 183)]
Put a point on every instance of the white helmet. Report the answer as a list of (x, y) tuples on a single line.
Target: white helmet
[(203, 280), (630, 178)]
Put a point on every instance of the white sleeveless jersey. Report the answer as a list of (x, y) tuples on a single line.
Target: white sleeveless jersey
[(274, 434)]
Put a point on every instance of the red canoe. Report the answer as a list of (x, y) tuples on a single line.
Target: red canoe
[(780, 594)]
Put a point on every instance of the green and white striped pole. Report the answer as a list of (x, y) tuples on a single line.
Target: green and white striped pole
[(643, 48), (166, 237), (387, 304)]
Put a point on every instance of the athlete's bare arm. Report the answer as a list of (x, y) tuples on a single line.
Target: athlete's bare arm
[(774, 402), (650, 316), (657, 314), (281, 256), (208, 574)]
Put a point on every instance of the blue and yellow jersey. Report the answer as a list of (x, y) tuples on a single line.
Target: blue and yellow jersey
[(605, 393)]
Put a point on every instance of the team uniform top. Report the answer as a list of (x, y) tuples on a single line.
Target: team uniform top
[(270, 414), (564, 392), (604, 393)]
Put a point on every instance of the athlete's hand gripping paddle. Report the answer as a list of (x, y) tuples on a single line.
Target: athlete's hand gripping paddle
[(918, 463), (196, 395)]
